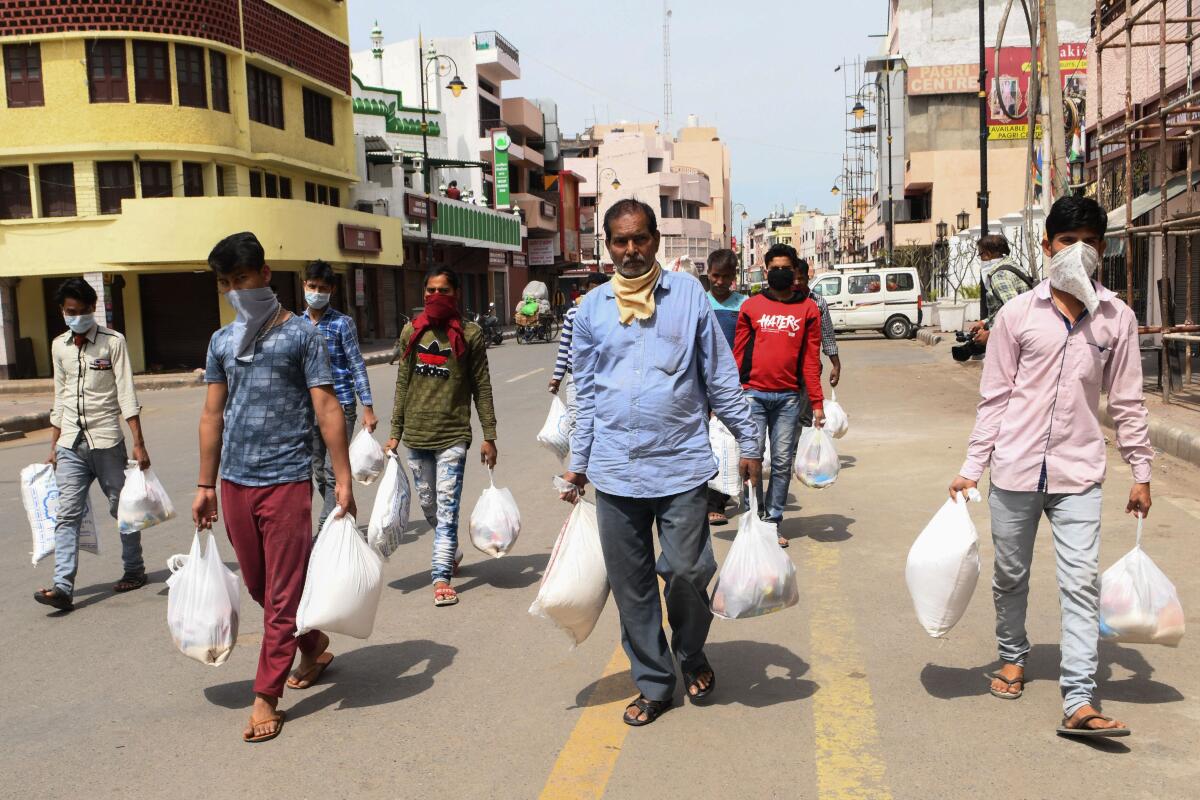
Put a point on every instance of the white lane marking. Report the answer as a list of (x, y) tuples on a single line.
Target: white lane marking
[(526, 375)]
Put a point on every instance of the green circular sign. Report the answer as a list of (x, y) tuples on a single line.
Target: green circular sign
[(501, 141)]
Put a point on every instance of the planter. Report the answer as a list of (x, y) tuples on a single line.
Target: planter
[(930, 318), (952, 317)]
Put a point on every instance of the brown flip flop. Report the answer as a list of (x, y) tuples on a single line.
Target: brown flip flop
[(278, 717), (1006, 695), (318, 671), (1080, 730)]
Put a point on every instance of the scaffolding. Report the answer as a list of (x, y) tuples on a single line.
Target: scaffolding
[(857, 180), (1159, 131)]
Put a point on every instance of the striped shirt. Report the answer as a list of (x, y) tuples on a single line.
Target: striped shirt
[(828, 338), (345, 357), (562, 364)]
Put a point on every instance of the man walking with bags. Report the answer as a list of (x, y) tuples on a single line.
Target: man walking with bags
[(1052, 351), (560, 379), (1002, 282), (649, 362), (726, 303), (93, 392)]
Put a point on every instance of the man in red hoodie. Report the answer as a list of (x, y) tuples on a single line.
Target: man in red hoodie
[(777, 346)]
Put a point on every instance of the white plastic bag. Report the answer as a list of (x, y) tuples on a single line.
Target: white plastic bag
[(144, 502), (203, 603), (943, 566), (39, 494), (836, 421), (728, 480), (1138, 603), (496, 521), (574, 587), (389, 516), (757, 577), (366, 458), (556, 433), (344, 580), (817, 463)]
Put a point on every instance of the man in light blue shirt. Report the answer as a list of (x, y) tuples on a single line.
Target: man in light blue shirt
[(649, 362)]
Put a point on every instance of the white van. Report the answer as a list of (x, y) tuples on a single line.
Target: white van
[(866, 297)]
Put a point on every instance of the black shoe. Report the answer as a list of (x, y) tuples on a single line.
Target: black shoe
[(56, 598)]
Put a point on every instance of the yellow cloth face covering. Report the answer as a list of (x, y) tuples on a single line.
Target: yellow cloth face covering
[(635, 296)]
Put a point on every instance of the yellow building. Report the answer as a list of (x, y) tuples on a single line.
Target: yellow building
[(137, 135)]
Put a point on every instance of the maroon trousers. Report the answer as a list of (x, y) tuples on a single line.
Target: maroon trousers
[(270, 528)]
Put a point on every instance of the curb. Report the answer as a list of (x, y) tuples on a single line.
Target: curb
[(1183, 443), (25, 423), (928, 337)]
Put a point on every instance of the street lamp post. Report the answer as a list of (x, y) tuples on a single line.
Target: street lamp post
[(741, 243), (456, 87), (607, 172)]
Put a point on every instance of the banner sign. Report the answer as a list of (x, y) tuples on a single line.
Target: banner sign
[(500, 144), (541, 252), (1008, 99), (944, 79)]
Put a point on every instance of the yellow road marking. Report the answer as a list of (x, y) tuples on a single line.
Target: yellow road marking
[(847, 743), (585, 764)]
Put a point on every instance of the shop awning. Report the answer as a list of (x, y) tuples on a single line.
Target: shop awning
[(1145, 203)]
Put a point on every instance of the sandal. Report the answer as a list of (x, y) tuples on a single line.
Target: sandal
[(691, 679), (55, 598), (653, 709), (277, 718), (444, 596), (717, 518), (1006, 695), (783, 542), (316, 671), (129, 582), (1081, 730)]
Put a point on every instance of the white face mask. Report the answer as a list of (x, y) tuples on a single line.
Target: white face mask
[(317, 300), (80, 324), (1071, 271)]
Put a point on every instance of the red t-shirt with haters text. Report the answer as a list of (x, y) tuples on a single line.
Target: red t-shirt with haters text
[(777, 346)]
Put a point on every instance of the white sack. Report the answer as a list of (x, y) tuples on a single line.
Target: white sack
[(389, 515), (496, 521), (836, 421), (344, 580), (943, 567), (366, 458), (817, 463), (39, 494), (728, 480), (1138, 603), (574, 587), (203, 602), (143, 502), (556, 432), (757, 577)]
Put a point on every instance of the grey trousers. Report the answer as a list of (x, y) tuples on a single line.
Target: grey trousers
[(322, 466), (687, 565), (1075, 525)]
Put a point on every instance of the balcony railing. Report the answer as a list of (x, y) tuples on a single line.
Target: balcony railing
[(487, 40), (465, 221)]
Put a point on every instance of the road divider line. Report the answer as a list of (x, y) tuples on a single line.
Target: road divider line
[(848, 759), (526, 375), (586, 762)]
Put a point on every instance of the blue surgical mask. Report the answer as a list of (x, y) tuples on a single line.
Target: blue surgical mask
[(317, 300), (80, 324)]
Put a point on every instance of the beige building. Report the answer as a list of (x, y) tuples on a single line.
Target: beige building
[(702, 148)]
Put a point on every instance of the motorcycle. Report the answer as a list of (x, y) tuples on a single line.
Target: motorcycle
[(490, 323)]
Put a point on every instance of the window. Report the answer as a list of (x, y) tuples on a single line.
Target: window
[(335, 197), (23, 75), (15, 200), (220, 80), (285, 188), (189, 74), (828, 287), (151, 72), (116, 184), (322, 194), (106, 71), (900, 282), (220, 181), (318, 117), (272, 183), (56, 183), (156, 179), (264, 93), (863, 284), (325, 195), (193, 179), (310, 191), (256, 189)]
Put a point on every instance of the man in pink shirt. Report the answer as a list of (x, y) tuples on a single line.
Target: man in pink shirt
[(1051, 352)]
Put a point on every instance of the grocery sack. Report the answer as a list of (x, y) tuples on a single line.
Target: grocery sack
[(366, 458), (757, 577), (495, 522), (728, 480), (574, 587), (836, 421), (203, 601), (817, 461), (344, 580), (39, 494), (143, 502), (556, 432), (1138, 603), (389, 516), (943, 566)]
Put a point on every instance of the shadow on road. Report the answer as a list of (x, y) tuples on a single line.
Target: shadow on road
[(102, 591), (508, 572), (847, 462), (819, 527), (370, 676), (948, 683)]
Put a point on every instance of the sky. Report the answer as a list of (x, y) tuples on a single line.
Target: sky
[(764, 77)]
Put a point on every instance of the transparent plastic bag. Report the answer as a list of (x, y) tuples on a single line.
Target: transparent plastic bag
[(757, 577), (728, 480), (366, 457), (39, 495), (203, 603), (389, 515), (1138, 603), (574, 586), (343, 584), (144, 502), (555, 434), (943, 566), (496, 521), (836, 421), (817, 463)]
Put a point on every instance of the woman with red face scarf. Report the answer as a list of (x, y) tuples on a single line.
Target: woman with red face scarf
[(443, 368)]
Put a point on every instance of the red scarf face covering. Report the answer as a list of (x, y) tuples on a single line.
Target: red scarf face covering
[(440, 314)]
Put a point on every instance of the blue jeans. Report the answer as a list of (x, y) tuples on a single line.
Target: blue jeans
[(76, 470), (438, 475), (777, 414), (322, 465)]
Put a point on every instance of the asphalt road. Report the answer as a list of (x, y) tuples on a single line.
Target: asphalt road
[(841, 697)]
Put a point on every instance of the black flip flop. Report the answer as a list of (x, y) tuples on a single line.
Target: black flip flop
[(56, 598), (689, 678), (1006, 695), (653, 709), (1091, 733)]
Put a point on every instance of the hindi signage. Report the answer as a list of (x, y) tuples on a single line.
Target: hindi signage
[(500, 144), (541, 252)]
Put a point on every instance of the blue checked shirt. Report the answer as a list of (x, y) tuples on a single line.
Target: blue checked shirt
[(345, 358), (828, 338)]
